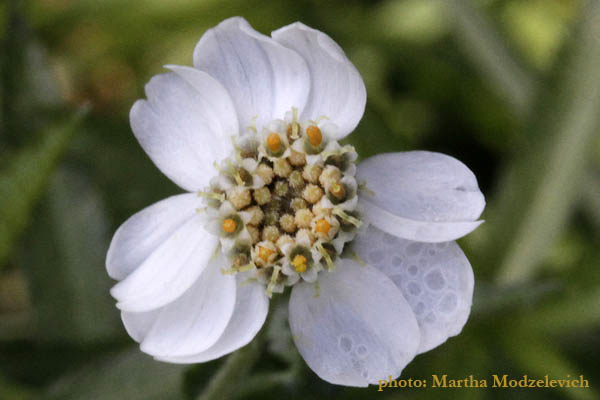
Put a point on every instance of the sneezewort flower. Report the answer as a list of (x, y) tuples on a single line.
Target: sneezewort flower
[(274, 201)]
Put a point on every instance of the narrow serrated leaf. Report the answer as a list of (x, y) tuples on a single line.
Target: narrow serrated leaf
[(24, 178)]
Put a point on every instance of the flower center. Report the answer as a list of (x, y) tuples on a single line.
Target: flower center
[(315, 137), (285, 201), (299, 263), (229, 225)]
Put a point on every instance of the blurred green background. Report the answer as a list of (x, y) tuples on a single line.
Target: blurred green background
[(510, 87)]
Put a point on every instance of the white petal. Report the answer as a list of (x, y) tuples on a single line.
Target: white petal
[(197, 319), (144, 231), (185, 125), (263, 78), (169, 271), (336, 88), (250, 312), (359, 328), (138, 324), (419, 195), (435, 278)]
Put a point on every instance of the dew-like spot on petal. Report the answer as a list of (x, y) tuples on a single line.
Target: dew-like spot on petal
[(419, 308), (397, 261), (397, 279), (414, 288), (430, 318), (414, 248), (413, 270), (434, 280), (448, 303), (431, 252), (376, 257), (345, 343), (362, 351), (389, 239)]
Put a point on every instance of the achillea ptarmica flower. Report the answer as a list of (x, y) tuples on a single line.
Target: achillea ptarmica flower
[(275, 202)]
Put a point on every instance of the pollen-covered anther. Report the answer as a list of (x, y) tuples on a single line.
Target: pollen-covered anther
[(312, 193), (303, 218), (287, 223), (315, 137), (270, 233), (299, 263), (265, 173), (254, 233), (282, 168), (256, 215), (311, 173), (330, 175), (229, 225), (274, 142), (239, 197), (262, 196), (297, 159)]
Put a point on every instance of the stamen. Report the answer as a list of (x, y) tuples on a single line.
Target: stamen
[(294, 127), (340, 151), (252, 125), (362, 186), (299, 263), (315, 137), (326, 256), (273, 281), (337, 190), (274, 142), (359, 260), (235, 270), (229, 225), (348, 218), (238, 150), (212, 195)]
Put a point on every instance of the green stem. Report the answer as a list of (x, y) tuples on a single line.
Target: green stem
[(234, 369)]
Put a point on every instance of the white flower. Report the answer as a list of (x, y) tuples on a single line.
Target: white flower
[(251, 133)]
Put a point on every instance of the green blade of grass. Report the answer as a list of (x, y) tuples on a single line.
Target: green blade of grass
[(24, 178), (492, 56), (542, 184)]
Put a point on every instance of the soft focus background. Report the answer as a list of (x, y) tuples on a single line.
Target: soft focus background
[(510, 87)]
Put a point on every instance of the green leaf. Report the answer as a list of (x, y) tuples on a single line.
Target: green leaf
[(541, 186), (539, 357), (492, 56), (24, 178), (65, 260), (129, 375)]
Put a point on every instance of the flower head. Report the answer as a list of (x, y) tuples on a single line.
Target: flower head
[(274, 201)]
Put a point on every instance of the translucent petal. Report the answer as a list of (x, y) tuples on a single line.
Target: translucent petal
[(435, 278), (138, 324), (196, 320), (250, 312), (185, 125), (169, 271), (263, 78), (145, 231), (356, 329), (336, 87), (419, 195)]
